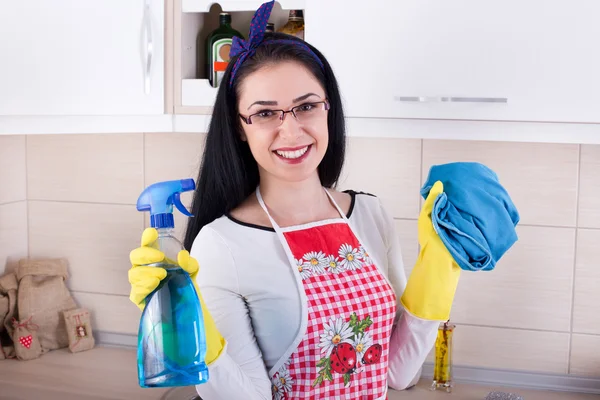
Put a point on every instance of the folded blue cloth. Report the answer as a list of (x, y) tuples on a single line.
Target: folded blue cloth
[(474, 216)]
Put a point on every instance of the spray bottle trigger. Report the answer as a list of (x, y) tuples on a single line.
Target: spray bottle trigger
[(180, 206)]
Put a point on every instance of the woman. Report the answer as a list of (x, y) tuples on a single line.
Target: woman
[(303, 282)]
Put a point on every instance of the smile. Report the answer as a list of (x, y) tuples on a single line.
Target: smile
[(292, 154)]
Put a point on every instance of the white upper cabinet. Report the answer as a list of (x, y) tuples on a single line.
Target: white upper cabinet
[(84, 57), (505, 60)]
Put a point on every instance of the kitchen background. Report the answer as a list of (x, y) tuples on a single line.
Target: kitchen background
[(82, 135), (74, 196)]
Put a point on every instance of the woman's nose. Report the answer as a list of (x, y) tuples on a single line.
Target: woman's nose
[(290, 126)]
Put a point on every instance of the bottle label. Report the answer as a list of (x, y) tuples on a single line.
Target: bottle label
[(220, 56)]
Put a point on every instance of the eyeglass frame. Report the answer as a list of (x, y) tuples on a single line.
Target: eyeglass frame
[(248, 119)]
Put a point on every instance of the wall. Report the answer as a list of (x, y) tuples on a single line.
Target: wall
[(13, 200), (538, 308)]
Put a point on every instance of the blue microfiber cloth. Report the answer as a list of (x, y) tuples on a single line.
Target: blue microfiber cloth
[(474, 216)]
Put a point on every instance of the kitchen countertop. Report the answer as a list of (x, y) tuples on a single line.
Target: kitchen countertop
[(110, 373), (478, 392)]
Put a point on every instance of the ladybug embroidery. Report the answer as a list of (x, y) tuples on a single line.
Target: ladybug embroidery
[(372, 355), (343, 358)]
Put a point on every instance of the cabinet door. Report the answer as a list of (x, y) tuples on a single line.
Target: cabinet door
[(535, 60), (82, 57)]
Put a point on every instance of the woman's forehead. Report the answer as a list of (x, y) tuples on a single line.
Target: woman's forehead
[(281, 82)]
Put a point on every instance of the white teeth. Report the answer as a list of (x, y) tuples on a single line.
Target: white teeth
[(292, 154)]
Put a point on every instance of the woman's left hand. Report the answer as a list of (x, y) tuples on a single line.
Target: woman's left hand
[(432, 283)]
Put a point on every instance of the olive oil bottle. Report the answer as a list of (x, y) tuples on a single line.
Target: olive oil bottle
[(218, 44), (442, 371)]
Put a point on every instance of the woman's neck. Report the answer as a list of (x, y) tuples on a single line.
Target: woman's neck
[(294, 203)]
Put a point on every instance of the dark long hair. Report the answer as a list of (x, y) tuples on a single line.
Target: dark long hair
[(228, 172)]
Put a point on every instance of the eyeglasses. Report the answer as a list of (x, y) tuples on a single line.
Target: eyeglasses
[(304, 113)]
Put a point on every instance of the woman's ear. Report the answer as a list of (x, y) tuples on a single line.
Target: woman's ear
[(243, 136)]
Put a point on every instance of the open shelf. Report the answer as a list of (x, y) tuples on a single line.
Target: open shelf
[(197, 18), (197, 93), (200, 6)]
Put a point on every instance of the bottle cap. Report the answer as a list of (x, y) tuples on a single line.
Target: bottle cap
[(225, 18), (159, 199), (296, 14)]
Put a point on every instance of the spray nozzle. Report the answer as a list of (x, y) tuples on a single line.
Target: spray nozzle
[(159, 199)]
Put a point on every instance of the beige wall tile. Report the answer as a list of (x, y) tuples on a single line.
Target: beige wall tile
[(104, 168), (530, 287), (589, 187), (110, 313), (95, 238), (407, 231), (388, 168), (13, 170), (171, 156), (585, 355), (13, 235), (512, 349), (586, 312), (540, 178)]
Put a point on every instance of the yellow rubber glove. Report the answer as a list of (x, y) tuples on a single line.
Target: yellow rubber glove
[(432, 283), (144, 280)]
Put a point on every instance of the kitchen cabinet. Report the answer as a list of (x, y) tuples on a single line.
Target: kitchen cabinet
[(498, 60), (434, 69), (82, 58)]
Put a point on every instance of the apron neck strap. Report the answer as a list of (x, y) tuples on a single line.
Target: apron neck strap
[(275, 226), (264, 207)]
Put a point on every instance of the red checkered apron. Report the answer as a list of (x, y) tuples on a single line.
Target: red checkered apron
[(348, 313)]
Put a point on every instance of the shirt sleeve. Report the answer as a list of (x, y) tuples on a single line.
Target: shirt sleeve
[(412, 338), (239, 372)]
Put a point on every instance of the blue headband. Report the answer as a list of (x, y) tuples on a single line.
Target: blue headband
[(246, 48)]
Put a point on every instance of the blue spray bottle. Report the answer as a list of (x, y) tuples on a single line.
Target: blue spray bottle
[(171, 336)]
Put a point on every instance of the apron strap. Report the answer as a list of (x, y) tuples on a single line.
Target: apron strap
[(264, 207), (276, 227), (337, 207)]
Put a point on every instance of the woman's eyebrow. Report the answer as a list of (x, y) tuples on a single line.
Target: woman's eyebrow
[(274, 103), (263, 103), (304, 97)]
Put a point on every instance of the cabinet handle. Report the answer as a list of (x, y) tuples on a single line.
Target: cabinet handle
[(441, 99), (149, 46)]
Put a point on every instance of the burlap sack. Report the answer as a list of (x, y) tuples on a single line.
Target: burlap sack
[(79, 329), (43, 296), (8, 309), (27, 345)]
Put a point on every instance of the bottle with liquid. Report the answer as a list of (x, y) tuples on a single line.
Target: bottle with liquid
[(295, 24), (171, 336), (442, 369), (218, 44)]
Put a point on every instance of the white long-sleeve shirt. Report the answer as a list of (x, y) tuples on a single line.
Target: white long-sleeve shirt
[(250, 290)]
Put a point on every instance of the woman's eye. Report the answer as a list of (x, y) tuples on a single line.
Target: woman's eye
[(306, 107), (265, 114)]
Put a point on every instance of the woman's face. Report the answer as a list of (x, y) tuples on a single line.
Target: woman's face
[(292, 149)]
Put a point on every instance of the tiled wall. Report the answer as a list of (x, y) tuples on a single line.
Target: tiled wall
[(13, 200), (537, 311)]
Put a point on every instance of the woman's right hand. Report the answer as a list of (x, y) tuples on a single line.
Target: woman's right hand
[(144, 280)]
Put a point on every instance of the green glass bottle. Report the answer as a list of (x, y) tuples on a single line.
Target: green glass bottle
[(218, 45)]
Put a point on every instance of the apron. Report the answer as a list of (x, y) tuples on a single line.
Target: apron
[(348, 309)]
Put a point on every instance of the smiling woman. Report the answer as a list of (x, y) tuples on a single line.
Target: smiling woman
[(303, 281)]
